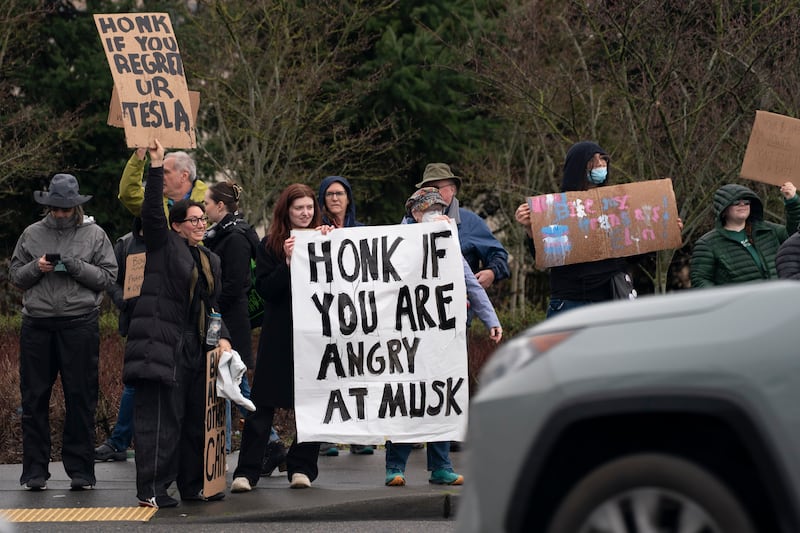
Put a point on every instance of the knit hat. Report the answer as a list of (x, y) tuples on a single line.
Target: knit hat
[(63, 192), (438, 171), (424, 198)]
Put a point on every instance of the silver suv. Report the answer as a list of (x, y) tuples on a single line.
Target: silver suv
[(675, 413)]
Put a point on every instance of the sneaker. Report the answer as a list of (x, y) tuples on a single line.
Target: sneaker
[(395, 477), (200, 497), (328, 449), (275, 457), (36, 484), (78, 483), (300, 481), (106, 452), (446, 477), (241, 484), (361, 449), (163, 501)]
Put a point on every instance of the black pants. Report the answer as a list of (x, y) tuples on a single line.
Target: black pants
[(302, 458), (169, 428), (49, 346)]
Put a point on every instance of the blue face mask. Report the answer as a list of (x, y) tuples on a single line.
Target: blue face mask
[(597, 175)]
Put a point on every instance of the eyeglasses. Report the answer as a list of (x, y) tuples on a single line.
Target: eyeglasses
[(741, 202), (194, 221), (336, 194)]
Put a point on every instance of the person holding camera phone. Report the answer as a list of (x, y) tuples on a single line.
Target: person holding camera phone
[(64, 263)]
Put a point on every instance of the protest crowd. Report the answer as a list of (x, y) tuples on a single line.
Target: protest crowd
[(363, 329)]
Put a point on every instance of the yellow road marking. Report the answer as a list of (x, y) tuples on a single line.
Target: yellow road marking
[(91, 514)]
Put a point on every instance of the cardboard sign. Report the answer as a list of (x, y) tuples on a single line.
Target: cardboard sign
[(380, 349), (134, 275), (614, 221), (214, 449), (146, 64), (773, 151), (115, 108)]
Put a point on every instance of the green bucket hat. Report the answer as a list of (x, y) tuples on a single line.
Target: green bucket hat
[(438, 171)]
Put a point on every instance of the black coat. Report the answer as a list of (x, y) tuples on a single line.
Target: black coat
[(234, 241), (155, 337), (273, 384)]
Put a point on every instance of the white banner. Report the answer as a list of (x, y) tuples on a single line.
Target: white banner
[(380, 349)]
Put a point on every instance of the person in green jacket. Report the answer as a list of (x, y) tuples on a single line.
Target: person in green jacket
[(742, 246), (180, 181)]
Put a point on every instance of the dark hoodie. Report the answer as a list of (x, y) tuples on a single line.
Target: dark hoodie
[(350, 213), (719, 258), (590, 281), (578, 156)]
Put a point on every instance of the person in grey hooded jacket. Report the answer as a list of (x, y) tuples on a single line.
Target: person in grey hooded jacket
[(742, 246), (64, 263)]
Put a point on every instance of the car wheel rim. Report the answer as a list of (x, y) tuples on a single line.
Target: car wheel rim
[(649, 510)]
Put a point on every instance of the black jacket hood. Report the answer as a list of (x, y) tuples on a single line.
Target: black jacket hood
[(575, 163)]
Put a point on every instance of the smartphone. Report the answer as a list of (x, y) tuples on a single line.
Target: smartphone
[(53, 259)]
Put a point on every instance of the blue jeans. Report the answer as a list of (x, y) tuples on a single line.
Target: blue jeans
[(558, 305), (438, 455), (244, 386), (122, 435)]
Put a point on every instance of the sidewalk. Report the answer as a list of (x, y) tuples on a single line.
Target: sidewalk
[(349, 487)]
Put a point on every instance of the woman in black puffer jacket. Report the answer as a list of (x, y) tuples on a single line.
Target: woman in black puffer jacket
[(165, 355)]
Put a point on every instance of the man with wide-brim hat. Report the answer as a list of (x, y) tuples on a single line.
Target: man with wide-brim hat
[(63, 263), (63, 193), (486, 256)]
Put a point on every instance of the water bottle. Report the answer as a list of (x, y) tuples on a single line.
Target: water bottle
[(214, 325)]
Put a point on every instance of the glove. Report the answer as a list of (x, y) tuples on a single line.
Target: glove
[(231, 370)]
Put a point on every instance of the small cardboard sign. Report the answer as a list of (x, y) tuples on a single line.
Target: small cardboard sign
[(614, 221), (773, 151), (214, 449), (134, 275), (142, 52)]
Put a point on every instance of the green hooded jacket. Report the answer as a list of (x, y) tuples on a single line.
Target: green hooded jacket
[(718, 259)]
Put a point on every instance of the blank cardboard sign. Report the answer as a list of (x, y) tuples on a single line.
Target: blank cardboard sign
[(614, 221), (773, 151)]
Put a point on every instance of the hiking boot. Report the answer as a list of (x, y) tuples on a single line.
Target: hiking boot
[(328, 449), (446, 477), (275, 457), (361, 449), (36, 484), (241, 484), (395, 477), (78, 483), (300, 481), (106, 452)]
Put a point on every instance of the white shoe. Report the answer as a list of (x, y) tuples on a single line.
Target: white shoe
[(300, 481), (241, 484)]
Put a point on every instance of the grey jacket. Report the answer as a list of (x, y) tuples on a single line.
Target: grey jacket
[(90, 265)]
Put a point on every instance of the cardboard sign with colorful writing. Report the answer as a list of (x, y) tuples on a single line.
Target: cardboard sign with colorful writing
[(146, 64), (614, 221), (214, 449), (773, 151), (380, 349)]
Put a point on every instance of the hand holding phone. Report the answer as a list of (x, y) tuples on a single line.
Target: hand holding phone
[(53, 259)]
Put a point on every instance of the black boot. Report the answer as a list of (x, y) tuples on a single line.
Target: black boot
[(274, 457)]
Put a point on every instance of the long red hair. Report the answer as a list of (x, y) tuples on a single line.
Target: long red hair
[(280, 228)]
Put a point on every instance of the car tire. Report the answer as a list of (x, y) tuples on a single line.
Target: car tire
[(655, 488)]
